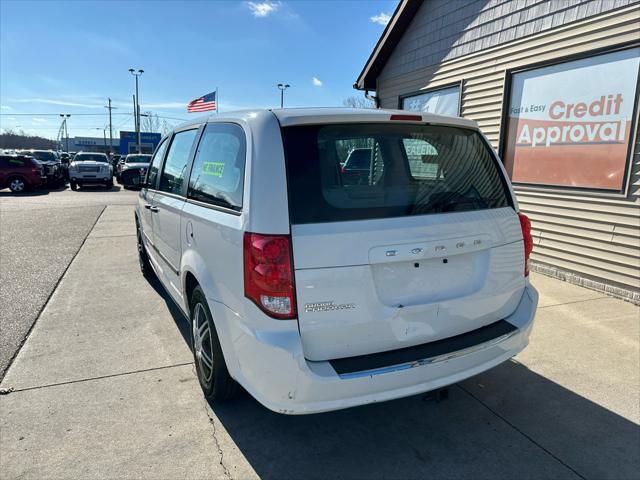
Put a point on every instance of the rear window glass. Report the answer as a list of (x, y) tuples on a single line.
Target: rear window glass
[(90, 157), (44, 156), (138, 159), (363, 171)]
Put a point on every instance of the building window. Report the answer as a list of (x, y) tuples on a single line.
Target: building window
[(570, 124), (443, 101)]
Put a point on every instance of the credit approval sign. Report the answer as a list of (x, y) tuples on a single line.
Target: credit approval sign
[(569, 124)]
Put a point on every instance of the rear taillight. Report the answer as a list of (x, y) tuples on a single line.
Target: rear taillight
[(268, 274), (525, 224)]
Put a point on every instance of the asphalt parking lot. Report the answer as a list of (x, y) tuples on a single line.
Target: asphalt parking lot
[(104, 387)]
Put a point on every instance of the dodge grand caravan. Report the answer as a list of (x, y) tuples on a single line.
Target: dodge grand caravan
[(315, 289)]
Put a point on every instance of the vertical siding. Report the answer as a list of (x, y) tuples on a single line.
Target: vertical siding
[(595, 238)]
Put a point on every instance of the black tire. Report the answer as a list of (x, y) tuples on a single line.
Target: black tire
[(110, 184), (217, 385), (18, 185), (143, 259), (73, 185)]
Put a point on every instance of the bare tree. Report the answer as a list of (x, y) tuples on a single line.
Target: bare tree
[(12, 139), (358, 102), (150, 122), (166, 128)]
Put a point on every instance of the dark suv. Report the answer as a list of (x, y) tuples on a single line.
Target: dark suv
[(20, 173), (53, 168)]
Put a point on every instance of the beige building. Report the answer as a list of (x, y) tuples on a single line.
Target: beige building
[(554, 86)]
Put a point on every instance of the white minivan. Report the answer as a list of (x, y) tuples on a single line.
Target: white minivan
[(316, 286)]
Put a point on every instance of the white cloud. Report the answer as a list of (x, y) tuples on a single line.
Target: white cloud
[(263, 9), (53, 101), (5, 107), (39, 120), (317, 82), (381, 19)]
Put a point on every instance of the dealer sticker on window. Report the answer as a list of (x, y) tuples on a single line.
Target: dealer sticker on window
[(215, 169)]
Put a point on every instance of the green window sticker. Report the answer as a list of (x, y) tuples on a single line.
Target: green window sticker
[(215, 169)]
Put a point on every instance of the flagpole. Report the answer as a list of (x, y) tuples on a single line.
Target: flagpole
[(217, 102)]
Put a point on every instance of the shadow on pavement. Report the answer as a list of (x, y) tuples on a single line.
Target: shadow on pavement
[(180, 320), (29, 193), (98, 188), (509, 422), (413, 438)]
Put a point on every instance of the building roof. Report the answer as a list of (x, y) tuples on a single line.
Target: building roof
[(387, 42)]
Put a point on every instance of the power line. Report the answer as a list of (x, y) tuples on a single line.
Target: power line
[(89, 114), (56, 114)]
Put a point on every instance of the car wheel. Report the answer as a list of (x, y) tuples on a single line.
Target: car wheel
[(17, 185), (211, 368), (73, 185), (143, 258), (110, 184)]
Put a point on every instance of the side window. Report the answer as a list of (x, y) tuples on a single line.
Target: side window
[(8, 162), (176, 162), (217, 176), (156, 161)]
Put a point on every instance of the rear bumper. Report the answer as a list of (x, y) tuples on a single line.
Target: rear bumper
[(270, 365)]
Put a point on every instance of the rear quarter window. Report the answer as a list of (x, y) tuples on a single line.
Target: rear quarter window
[(403, 170), (217, 176)]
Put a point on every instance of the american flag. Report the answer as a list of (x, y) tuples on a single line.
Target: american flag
[(203, 104)]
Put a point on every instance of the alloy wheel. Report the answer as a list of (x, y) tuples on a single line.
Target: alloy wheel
[(202, 345), (17, 185)]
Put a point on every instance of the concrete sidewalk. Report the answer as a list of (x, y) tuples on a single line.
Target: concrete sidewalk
[(104, 388)]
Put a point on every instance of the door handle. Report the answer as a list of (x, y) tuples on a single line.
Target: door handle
[(148, 206)]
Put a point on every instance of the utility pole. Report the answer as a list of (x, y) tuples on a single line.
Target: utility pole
[(282, 87), (110, 125), (137, 74)]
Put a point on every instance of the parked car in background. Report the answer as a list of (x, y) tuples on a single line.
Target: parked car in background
[(65, 159), (118, 167), (134, 169), (20, 173), (89, 168), (318, 293), (114, 159), (357, 167), (53, 168)]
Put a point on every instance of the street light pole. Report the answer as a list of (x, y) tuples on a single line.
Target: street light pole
[(282, 87), (66, 132), (137, 112)]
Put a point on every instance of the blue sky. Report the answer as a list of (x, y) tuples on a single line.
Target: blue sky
[(68, 57)]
